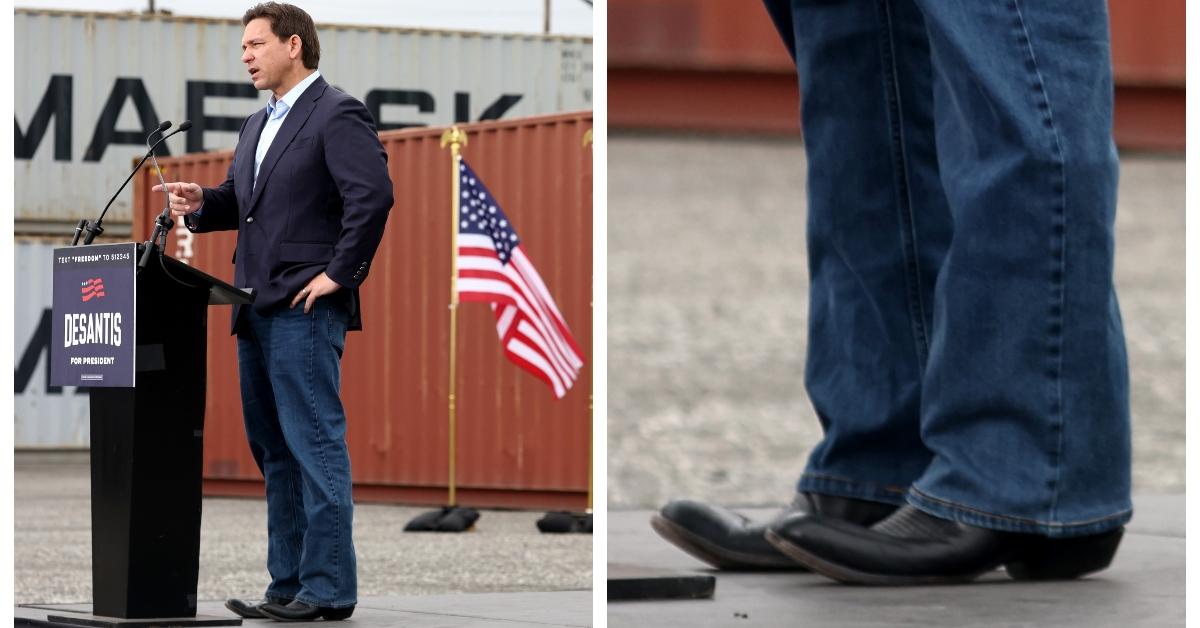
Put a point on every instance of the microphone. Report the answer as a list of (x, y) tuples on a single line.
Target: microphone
[(94, 229), (187, 124), (164, 221)]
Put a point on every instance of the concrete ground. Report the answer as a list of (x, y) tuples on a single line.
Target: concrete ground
[(707, 311), (562, 609), (1143, 587), (506, 553)]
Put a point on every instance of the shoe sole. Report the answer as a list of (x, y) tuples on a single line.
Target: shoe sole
[(848, 575), (329, 614), (284, 619), (715, 555), (1045, 560)]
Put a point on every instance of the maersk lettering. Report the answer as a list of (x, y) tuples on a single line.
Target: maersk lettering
[(377, 98), (98, 328), (462, 107), (37, 347), (197, 91), (424, 103), (106, 128), (57, 103), (498, 108)]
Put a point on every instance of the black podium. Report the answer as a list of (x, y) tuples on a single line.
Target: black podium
[(147, 452)]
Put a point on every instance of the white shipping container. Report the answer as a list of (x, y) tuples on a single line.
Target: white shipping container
[(46, 417), (89, 87)]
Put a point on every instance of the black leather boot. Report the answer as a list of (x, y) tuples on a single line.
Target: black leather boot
[(727, 540), (249, 610), (911, 548), (303, 611)]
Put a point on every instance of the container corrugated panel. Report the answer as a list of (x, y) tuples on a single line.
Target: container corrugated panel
[(46, 416), (71, 157), (1149, 42), (732, 35), (696, 35), (720, 65), (517, 445)]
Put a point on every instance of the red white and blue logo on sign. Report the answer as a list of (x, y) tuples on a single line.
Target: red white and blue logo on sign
[(92, 289)]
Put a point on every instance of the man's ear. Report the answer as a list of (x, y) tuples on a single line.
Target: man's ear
[(296, 47)]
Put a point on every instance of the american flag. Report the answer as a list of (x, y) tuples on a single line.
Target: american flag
[(493, 268)]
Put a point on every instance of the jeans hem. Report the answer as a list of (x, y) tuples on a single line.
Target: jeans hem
[(275, 595), (315, 602), (962, 513), (853, 489)]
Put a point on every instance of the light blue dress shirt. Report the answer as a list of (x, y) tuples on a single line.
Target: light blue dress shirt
[(277, 110)]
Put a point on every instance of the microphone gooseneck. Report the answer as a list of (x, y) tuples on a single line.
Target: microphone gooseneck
[(93, 229), (164, 222)]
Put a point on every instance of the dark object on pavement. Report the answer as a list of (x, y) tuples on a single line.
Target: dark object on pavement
[(626, 582), (727, 540), (303, 611), (911, 547), (445, 519), (565, 522)]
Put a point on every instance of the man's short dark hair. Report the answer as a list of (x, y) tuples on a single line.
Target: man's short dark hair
[(287, 20)]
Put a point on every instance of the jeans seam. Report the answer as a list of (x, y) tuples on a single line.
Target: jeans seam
[(260, 353), (292, 462), (908, 239), (295, 515), (1058, 250), (312, 396)]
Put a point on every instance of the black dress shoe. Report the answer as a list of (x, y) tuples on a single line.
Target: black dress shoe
[(727, 540), (248, 610), (911, 547), (303, 611)]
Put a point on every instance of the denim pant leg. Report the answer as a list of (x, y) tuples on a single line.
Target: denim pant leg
[(286, 522), (1025, 402), (302, 354), (878, 228)]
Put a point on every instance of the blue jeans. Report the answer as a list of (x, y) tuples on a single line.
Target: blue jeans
[(965, 347), (290, 377)]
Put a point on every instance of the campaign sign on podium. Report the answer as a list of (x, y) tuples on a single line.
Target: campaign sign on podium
[(93, 326)]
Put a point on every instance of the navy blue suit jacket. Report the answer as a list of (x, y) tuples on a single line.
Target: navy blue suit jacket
[(321, 202), (781, 14)]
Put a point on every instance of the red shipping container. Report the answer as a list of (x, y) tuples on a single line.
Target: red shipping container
[(720, 65), (517, 446)]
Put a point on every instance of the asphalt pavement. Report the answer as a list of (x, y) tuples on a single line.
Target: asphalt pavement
[(504, 554), (1143, 587), (707, 311)]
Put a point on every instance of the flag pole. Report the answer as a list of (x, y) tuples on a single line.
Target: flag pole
[(587, 142), (456, 139)]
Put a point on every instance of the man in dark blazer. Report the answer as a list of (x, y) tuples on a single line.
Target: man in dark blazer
[(309, 194)]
